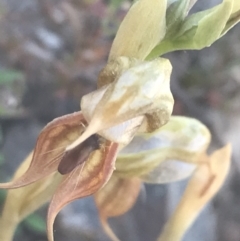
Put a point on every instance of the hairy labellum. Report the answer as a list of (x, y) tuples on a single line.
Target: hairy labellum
[(78, 155)]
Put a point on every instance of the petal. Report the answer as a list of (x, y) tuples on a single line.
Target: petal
[(170, 171), (142, 89), (204, 184), (50, 148), (115, 199), (134, 93), (117, 196), (153, 166), (180, 132), (236, 6), (121, 133), (142, 28), (83, 181), (28, 198), (234, 17), (168, 154)]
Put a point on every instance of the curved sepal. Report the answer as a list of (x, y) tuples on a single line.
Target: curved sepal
[(115, 199), (29, 198), (83, 181), (117, 196), (50, 148)]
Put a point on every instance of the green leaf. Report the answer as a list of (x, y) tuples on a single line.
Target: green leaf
[(3, 194), (1, 156), (1, 159), (199, 30), (36, 223), (116, 3), (1, 137), (176, 13), (7, 76)]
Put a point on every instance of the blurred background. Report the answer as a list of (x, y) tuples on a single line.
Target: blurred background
[(50, 54)]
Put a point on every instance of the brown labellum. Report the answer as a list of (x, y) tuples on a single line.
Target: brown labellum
[(78, 155)]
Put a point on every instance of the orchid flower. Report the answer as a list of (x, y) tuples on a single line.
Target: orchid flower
[(83, 146), (124, 134)]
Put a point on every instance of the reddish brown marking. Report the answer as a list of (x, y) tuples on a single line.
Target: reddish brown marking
[(77, 156)]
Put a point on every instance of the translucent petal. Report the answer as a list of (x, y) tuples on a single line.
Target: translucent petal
[(168, 154)]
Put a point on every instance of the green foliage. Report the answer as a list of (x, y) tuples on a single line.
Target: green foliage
[(198, 30), (1, 156), (1, 159), (36, 223), (7, 76), (176, 13), (2, 196), (1, 137), (116, 3)]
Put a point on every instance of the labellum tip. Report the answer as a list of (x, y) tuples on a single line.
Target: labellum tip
[(93, 127)]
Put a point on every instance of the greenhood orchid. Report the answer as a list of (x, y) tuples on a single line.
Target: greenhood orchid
[(124, 134)]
